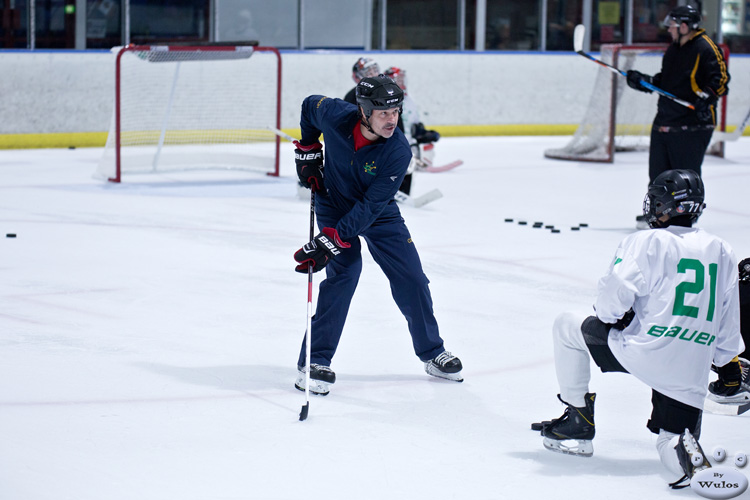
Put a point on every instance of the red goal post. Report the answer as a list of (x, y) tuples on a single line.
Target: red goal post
[(194, 107), (619, 118)]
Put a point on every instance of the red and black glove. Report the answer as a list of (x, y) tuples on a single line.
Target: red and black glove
[(730, 376), (319, 252), (309, 161)]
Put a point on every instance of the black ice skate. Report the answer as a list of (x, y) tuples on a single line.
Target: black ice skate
[(573, 431), (445, 365), (321, 377), (691, 457), (742, 397)]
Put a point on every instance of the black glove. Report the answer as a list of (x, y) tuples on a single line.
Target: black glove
[(744, 267), (423, 136), (309, 161), (730, 376), (319, 252), (623, 322), (634, 80), (704, 106)]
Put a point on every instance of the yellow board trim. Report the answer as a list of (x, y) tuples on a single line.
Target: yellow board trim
[(99, 139)]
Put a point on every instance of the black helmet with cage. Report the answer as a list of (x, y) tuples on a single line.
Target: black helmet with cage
[(379, 92), (684, 14), (675, 197)]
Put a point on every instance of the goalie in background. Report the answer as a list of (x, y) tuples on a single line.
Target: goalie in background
[(693, 68), (422, 141), (667, 308)]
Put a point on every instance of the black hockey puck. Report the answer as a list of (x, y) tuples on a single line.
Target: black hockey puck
[(555, 231), (10, 235), (551, 226), (575, 228), (522, 223), (508, 220), (538, 224), (583, 224)]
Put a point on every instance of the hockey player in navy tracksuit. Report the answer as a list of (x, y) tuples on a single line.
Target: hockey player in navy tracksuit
[(366, 160)]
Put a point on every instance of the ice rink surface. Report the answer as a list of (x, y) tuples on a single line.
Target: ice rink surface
[(149, 333)]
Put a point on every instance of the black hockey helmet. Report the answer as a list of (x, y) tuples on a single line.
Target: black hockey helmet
[(684, 14), (674, 193), (379, 92)]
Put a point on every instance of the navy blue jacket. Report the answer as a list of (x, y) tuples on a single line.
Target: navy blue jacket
[(360, 185)]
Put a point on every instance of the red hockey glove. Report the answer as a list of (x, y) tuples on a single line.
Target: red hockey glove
[(319, 252), (309, 161)]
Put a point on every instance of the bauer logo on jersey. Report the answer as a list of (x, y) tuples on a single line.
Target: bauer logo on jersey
[(370, 167)]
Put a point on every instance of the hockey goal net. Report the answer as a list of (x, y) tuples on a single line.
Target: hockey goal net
[(619, 118), (194, 107)]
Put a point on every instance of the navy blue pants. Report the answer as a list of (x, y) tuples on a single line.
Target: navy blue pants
[(391, 246)]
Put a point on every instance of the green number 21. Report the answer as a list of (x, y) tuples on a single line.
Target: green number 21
[(696, 287)]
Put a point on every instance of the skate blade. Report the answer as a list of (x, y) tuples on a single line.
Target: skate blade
[(740, 398), (576, 447), (316, 386), (455, 377)]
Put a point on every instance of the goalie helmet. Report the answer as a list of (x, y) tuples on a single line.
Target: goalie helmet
[(674, 193), (363, 68), (398, 75), (379, 92), (683, 14)]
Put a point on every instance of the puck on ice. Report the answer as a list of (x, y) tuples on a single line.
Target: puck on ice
[(575, 228), (555, 231), (508, 220), (10, 235), (522, 222)]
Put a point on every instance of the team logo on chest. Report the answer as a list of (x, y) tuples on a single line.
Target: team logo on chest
[(370, 167)]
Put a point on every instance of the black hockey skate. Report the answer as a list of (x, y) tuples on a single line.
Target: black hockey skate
[(692, 459), (445, 365), (573, 432), (741, 397), (321, 377)]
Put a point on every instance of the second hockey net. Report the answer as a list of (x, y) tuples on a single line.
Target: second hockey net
[(619, 118)]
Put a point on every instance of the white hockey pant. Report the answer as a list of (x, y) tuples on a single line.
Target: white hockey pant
[(572, 363), (572, 358)]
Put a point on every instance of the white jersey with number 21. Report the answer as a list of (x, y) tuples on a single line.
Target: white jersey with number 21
[(682, 285)]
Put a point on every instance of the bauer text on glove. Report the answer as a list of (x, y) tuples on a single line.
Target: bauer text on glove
[(309, 161), (319, 252)]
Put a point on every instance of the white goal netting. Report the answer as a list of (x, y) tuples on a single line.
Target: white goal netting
[(183, 108), (617, 118)]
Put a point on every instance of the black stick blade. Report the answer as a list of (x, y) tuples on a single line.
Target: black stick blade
[(303, 412)]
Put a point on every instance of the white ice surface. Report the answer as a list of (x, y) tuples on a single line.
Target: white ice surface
[(149, 333)]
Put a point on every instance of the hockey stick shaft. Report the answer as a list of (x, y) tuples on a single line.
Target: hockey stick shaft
[(282, 134), (578, 35), (308, 332)]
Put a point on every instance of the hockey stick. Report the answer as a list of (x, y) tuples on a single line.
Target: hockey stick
[(282, 134), (732, 136), (419, 201), (442, 168), (580, 33), (308, 331)]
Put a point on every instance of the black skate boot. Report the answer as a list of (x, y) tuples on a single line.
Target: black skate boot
[(321, 377), (691, 457), (741, 397), (445, 365), (573, 431)]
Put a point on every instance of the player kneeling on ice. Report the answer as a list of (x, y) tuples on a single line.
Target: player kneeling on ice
[(366, 160), (665, 311)]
